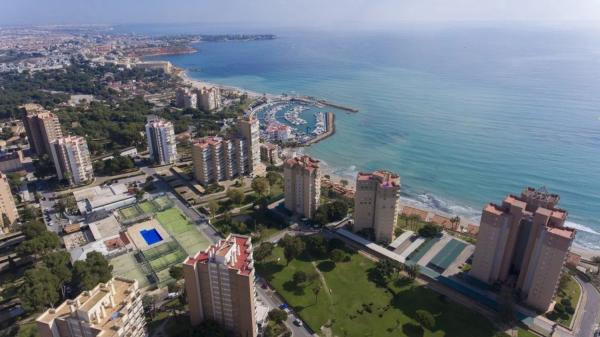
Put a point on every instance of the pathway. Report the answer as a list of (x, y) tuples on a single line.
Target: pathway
[(322, 278)]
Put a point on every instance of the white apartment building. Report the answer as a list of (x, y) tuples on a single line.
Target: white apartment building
[(161, 141), (72, 159)]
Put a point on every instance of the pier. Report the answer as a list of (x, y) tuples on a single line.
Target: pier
[(313, 100), (330, 130)]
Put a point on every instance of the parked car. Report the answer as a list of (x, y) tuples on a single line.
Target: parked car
[(298, 322)]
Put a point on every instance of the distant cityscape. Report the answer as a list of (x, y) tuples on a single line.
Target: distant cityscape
[(137, 201)]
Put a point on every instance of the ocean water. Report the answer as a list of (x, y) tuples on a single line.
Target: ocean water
[(465, 115)]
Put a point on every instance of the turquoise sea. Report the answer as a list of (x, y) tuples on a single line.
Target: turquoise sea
[(464, 114)]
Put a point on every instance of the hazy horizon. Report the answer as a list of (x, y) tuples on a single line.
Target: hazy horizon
[(334, 14)]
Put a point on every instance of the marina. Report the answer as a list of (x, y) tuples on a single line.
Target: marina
[(293, 121)]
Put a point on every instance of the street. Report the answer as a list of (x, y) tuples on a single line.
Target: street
[(268, 297)]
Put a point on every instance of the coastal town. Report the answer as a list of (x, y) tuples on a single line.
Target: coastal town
[(139, 201)]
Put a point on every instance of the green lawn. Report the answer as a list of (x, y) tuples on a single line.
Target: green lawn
[(352, 305), (570, 290), (526, 333), (28, 330)]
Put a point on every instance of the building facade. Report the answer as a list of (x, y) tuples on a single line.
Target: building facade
[(161, 141), (11, 161), (42, 128), (376, 203), (249, 130), (523, 244), (8, 209), (186, 99), (302, 185), (270, 154), (216, 159), (72, 160), (209, 99), (219, 285), (111, 309)]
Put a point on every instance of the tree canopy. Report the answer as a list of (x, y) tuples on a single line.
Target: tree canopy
[(93, 270)]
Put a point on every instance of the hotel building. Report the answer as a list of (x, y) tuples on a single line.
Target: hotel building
[(161, 141), (216, 159), (111, 309), (72, 159), (523, 244), (302, 185), (42, 128), (7, 203), (219, 284), (186, 99), (209, 99), (248, 129), (376, 203)]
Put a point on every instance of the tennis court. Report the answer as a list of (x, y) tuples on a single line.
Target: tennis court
[(166, 261), (147, 207), (126, 266), (162, 203), (129, 212), (158, 251), (448, 254), (188, 236)]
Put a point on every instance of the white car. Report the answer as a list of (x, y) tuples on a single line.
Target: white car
[(298, 322)]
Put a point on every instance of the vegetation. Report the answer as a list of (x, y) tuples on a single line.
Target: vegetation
[(38, 240), (429, 230), (278, 315), (567, 298), (93, 270), (113, 166), (330, 212), (176, 272), (348, 302)]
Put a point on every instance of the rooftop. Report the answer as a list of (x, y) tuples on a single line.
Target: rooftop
[(235, 251), (207, 141), (88, 303), (385, 178), (306, 162)]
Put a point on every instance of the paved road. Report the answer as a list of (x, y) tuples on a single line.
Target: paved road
[(268, 297), (591, 310)]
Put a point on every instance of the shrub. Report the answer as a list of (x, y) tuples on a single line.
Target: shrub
[(429, 231), (426, 319), (277, 315)]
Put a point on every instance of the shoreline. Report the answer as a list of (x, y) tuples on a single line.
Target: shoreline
[(585, 252)]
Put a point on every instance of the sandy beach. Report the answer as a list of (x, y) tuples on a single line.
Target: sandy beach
[(196, 83)]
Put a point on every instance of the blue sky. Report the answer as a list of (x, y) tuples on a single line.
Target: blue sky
[(305, 13)]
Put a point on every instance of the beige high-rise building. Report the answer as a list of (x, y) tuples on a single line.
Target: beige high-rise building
[(216, 159), (302, 185), (42, 128), (523, 244), (7, 203), (72, 159), (249, 130), (376, 203), (111, 309), (209, 99), (185, 98), (219, 284)]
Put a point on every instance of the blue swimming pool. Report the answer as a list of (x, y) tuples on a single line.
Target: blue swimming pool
[(151, 236)]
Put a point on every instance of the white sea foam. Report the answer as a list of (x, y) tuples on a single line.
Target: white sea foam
[(580, 227)]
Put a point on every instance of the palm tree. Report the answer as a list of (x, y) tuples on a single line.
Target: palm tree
[(316, 291), (455, 221), (412, 270)]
